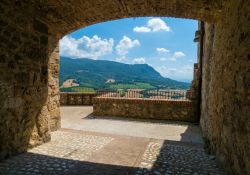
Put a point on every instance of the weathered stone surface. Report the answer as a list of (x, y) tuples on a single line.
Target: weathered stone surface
[(225, 119), (75, 98), (24, 71), (53, 101), (144, 108), (66, 17)]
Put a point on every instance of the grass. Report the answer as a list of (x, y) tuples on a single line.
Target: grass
[(85, 89), (132, 86), (78, 89)]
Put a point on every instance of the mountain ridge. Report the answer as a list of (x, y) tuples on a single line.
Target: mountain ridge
[(96, 73)]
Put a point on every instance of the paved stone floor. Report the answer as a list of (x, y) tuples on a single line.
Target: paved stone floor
[(73, 152), (81, 118)]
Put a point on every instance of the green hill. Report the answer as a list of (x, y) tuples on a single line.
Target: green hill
[(101, 74)]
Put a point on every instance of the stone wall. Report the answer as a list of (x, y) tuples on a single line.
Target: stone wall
[(225, 119), (195, 81), (53, 101), (74, 98), (144, 108), (27, 62), (194, 89), (24, 57)]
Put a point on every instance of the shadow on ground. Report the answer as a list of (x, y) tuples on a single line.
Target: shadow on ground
[(30, 163), (156, 121), (169, 157)]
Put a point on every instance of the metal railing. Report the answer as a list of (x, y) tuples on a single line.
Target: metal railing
[(86, 97), (146, 93)]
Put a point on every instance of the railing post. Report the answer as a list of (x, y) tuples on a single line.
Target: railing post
[(82, 98), (67, 97)]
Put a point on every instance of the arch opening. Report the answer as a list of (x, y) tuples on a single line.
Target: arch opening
[(29, 38)]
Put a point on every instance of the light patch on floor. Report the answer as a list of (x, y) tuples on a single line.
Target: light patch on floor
[(81, 118)]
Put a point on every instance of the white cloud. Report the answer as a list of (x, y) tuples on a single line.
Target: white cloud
[(86, 47), (168, 58), (172, 57), (162, 50), (139, 60), (164, 71), (121, 59), (142, 29), (157, 24), (179, 54), (125, 44), (153, 25), (185, 72), (163, 59)]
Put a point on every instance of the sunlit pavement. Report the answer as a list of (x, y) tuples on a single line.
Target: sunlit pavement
[(92, 145), (81, 118)]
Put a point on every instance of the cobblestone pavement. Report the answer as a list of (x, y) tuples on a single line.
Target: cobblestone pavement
[(164, 158), (89, 153)]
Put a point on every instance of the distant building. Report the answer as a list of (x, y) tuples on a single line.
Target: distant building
[(110, 81), (69, 83)]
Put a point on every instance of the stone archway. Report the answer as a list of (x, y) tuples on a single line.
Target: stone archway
[(29, 66), (66, 17)]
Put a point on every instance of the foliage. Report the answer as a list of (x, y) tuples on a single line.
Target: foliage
[(132, 86), (95, 73), (78, 89)]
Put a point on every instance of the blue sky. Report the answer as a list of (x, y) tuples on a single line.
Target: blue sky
[(166, 44)]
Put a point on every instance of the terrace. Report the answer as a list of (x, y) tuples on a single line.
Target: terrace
[(29, 98), (120, 145), (178, 105)]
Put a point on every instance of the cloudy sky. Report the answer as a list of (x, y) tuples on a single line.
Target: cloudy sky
[(166, 44)]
